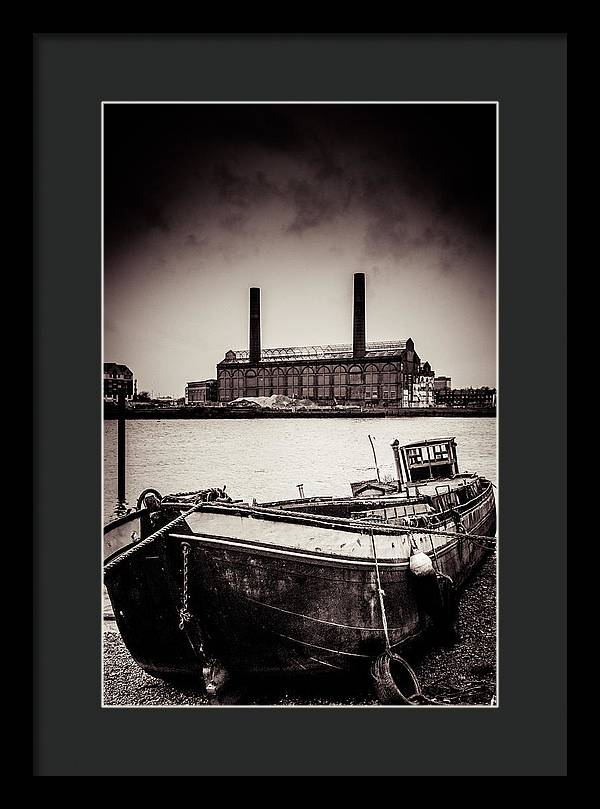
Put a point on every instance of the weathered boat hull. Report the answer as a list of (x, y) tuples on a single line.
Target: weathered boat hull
[(273, 608), (146, 612), (281, 612)]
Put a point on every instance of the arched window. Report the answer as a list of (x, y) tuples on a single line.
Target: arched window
[(238, 384), (225, 386), (309, 378), (355, 375), (388, 388), (324, 383), (279, 381), (293, 382), (340, 381), (389, 374), (251, 383), (371, 391), (355, 382), (265, 382)]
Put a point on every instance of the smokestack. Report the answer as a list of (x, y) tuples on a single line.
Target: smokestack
[(359, 343), (254, 325)]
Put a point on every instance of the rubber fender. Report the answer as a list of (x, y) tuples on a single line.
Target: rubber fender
[(420, 564), (448, 617), (394, 681)]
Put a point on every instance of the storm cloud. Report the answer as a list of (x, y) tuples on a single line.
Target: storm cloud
[(248, 192)]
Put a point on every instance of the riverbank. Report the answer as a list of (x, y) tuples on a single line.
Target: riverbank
[(463, 674), (110, 412)]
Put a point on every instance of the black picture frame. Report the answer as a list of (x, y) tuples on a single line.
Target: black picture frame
[(526, 73)]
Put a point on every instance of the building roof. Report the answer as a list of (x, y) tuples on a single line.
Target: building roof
[(115, 367), (383, 348), (428, 441), (483, 389)]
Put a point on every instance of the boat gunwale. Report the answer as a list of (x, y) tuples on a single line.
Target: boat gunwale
[(319, 556), (125, 518), (323, 521), (350, 525), (280, 551)]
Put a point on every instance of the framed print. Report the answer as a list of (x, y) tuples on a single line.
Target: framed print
[(296, 305)]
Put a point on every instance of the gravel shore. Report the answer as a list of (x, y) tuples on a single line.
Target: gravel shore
[(463, 674)]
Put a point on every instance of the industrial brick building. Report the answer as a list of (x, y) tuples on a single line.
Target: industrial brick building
[(466, 397), (388, 372), (201, 392)]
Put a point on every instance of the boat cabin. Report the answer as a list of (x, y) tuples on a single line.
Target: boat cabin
[(372, 488), (425, 460)]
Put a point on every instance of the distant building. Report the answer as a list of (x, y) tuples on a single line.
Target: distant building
[(466, 397), (386, 372), (200, 392), (442, 383), (423, 391), (164, 401), (117, 378)]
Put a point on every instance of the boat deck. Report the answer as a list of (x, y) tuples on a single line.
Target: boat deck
[(230, 528), (431, 488)]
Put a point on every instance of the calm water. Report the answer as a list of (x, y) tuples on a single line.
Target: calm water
[(267, 458)]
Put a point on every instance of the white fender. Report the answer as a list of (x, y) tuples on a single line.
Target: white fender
[(420, 564)]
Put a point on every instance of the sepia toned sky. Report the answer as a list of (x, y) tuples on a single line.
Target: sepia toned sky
[(203, 201)]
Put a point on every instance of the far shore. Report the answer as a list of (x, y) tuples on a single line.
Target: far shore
[(226, 412)]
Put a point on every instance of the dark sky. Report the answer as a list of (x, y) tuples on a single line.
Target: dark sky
[(204, 200)]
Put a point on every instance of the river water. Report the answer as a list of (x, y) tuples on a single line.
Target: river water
[(267, 458)]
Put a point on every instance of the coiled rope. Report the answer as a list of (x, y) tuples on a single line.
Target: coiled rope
[(205, 495)]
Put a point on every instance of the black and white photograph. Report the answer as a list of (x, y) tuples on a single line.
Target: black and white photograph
[(299, 405)]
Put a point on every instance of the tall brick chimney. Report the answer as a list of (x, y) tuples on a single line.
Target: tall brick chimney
[(254, 325), (359, 343)]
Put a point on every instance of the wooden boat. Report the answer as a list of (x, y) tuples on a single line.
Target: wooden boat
[(202, 586)]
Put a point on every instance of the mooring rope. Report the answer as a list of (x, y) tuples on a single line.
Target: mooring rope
[(388, 655), (381, 592), (381, 664)]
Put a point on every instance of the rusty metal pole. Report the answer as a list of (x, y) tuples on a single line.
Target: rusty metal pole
[(121, 446)]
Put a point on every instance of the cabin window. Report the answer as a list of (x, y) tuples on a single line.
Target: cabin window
[(414, 455)]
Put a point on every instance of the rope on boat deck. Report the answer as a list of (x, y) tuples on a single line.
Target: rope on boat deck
[(317, 519), (113, 563)]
